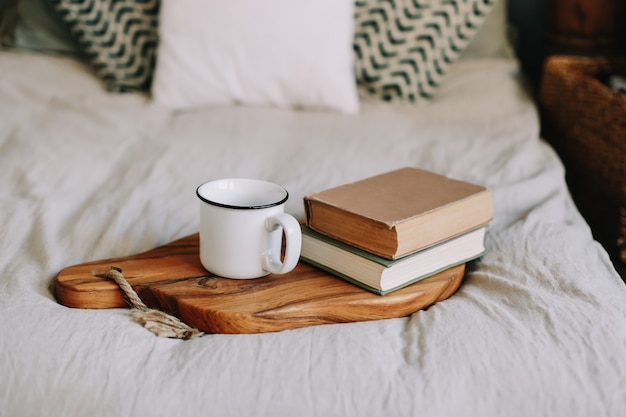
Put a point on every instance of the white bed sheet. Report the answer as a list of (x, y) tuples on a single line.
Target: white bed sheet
[(537, 329)]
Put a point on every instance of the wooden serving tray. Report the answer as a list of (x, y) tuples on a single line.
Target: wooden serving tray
[(171, 278)]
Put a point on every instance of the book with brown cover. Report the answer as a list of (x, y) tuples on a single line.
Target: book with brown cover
[(399, 212)]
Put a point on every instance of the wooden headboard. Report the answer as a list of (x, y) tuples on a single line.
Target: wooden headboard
[(581, 27), (592, 26)]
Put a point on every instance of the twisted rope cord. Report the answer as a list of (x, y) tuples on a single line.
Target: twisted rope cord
[(157, 321)]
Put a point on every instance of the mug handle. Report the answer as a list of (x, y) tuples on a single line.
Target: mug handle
[(293, 243)]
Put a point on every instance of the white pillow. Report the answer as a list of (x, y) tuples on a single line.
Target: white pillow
[(285, 53)]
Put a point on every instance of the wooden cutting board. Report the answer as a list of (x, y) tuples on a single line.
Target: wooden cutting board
[(171, 278)]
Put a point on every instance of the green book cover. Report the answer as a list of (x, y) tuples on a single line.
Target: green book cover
[(376, 290), (368, 270)]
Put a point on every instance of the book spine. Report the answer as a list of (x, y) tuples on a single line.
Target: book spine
[(355, 230), (342, 276)]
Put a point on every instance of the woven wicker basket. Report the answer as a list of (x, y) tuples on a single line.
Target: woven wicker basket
[(586, 122)]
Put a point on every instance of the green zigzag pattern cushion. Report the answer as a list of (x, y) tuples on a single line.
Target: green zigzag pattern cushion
[(404, 48), (118, 36)]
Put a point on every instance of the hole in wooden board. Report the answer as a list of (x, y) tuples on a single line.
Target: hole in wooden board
[(102, 270)]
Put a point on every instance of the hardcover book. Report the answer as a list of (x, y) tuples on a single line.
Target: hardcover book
[(399, 212), (381, 275)]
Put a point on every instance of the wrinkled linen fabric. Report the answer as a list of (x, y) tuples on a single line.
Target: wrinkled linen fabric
[(538, 327)]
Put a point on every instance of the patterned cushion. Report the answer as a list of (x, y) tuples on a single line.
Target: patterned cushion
[(118, 36), (403, 48), (40, 28)]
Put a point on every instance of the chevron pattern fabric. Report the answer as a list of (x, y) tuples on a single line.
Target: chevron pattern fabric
[(404, 48), (118, 36)]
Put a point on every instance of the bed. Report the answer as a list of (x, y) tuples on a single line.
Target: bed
[(538, 327)]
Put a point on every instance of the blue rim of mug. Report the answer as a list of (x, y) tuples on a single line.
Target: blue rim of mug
[(253, 207)]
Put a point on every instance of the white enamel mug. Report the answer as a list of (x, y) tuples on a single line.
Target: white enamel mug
[(242, 222)]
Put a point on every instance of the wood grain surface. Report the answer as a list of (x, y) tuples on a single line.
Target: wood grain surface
[(172, 279)]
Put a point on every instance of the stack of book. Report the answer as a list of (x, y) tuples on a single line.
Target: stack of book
[(391, 230)]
